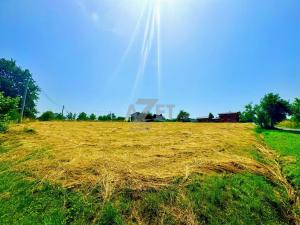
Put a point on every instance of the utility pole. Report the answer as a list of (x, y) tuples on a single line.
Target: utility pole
[(111, 118), (24, 102), (62, 111)]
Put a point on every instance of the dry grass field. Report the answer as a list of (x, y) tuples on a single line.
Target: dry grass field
[(142, 173), (77, 154)]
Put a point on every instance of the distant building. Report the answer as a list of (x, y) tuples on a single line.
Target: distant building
[(230, 117), (138, 117), (158, 118), (143, 117)]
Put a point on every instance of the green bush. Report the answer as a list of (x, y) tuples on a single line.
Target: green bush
[(110, 215), (3, 127), (47, 116), (296, 110)]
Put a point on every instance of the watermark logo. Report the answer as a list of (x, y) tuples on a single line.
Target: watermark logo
[(146, 106)]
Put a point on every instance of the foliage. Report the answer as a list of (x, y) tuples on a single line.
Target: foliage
[(296, 110), (248, 115), (110, 215), (289, 124), (287, 145), (211, 116), (47, 116), (3, 126), (120, 118), (71, 116), (271, 110), (59, 116), (13, 81), (107, 117), (8, 108), (149, 116), (83, 117), (183, 116), (93, 117), (8, 111)]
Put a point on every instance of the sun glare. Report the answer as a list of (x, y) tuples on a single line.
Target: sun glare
[(147, 33)]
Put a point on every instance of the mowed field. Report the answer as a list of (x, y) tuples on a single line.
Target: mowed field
[(143, 173), (136, 155)]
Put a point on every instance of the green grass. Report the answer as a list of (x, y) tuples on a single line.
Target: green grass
[(27, 201), (219, 199), (288, 146)]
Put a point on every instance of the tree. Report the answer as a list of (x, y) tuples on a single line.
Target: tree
[(113, 116), (271, 110), (8, 108), (248, 115), (59, 116), (13, 81), (183, 116), (149, 116), (296, 110), (110, 116), (93, 117), (47, 116), (71, 116), (211, 116), (82, 117)]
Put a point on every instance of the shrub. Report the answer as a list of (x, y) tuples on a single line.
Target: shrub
[(8, 108), (3, 127), (296, 110), (47, 116), (82, 117), (110, 215)]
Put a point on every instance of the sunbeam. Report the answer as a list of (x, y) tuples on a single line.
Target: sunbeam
[(152, 27), (147, 37), (130, 44)]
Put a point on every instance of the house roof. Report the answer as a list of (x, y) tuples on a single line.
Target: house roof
[(229, 113)]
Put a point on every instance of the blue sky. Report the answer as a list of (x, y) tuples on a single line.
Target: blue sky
[(213, 56)]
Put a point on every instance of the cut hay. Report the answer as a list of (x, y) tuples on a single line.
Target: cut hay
[(78, 154)]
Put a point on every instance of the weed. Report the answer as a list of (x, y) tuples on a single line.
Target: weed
[(3, 127), (110, 215)]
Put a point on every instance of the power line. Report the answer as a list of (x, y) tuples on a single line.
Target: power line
[(51, 100)]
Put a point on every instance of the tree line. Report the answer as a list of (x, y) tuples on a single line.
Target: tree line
[(51, 116), (271, 110)]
